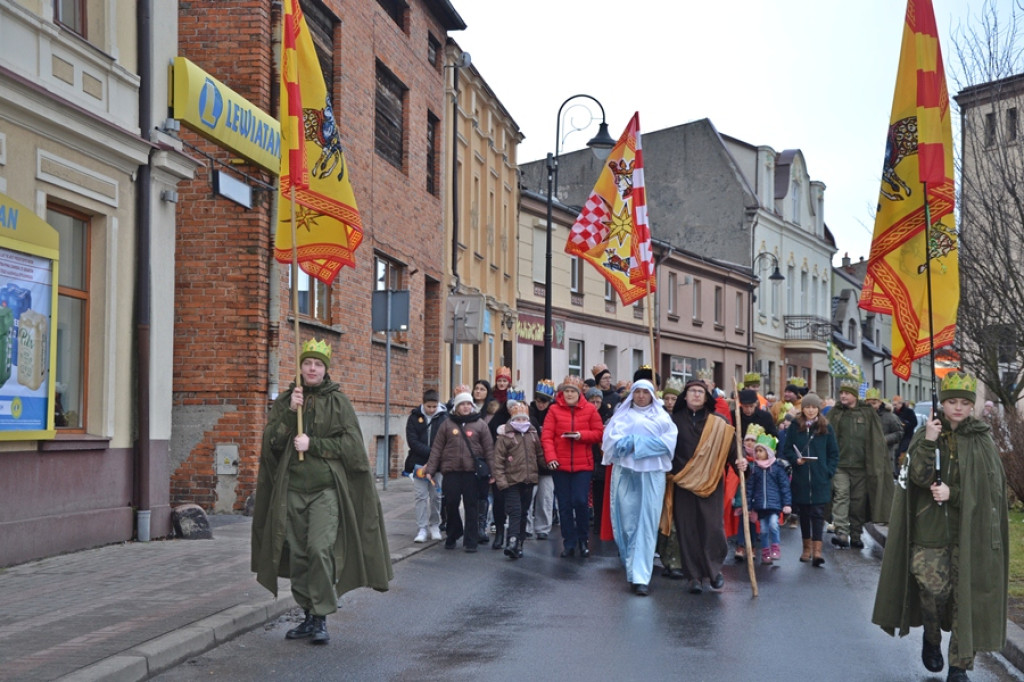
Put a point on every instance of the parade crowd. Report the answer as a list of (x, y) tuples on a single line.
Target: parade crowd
[(664, 470)]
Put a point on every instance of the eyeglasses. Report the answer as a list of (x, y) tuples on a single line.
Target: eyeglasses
[(695, 391)]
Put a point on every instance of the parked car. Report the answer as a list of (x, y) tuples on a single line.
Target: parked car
[(923, 410)]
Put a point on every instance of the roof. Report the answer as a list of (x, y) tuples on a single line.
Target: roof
[(445, 12)]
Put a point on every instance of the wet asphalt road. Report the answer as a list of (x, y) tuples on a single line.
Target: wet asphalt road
[(456, 616)]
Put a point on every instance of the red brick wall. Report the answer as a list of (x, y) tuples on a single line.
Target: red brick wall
[(223, 334)]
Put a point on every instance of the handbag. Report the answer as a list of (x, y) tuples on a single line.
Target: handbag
[(480, 466)]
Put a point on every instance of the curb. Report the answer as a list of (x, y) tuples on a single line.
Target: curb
[(1012, 651), (164, 652)]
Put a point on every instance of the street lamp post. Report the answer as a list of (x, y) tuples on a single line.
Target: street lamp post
[(600, 142), (775, 277)]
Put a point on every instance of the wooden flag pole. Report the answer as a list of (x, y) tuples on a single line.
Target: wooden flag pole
[(928, 282), (295, 311), (650, 332), (743, 495)]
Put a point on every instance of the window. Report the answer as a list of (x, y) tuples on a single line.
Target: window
[(539, 256), (851, 331), (696, 300), (314, 298), (803, 293), (388, 275), (70, 14), (990, 129), (609, 292), (1011, 124), (575, 358), (575, 285), (790, 290), (389, 124), (814, 296), (719, 305), (670, 295), (739, 310), (433, 186), (683, 368), (433, 50), (795, 190), (397, 10), (638, 361), (72, 317), (321, 27)]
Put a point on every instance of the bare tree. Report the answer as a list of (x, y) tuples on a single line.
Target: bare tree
[(987, 68)]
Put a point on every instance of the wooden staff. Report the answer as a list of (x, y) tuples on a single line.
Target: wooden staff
[(295, 313), (743, 494)]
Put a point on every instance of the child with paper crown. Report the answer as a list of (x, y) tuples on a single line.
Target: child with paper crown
[(767, 495)]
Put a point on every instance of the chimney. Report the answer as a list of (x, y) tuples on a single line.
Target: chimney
[(846, 260)]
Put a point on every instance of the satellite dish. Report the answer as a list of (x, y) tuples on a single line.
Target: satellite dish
[(464, 60)]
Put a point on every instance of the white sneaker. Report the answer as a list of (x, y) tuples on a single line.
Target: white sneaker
[(435, 532), (421, 536)]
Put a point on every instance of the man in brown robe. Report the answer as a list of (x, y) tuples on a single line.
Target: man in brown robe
[(704, 447)]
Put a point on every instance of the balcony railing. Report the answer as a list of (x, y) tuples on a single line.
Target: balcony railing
[(807, 328)]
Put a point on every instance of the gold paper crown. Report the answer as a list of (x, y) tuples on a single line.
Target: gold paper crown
[(705, 374), (751, 379), (504, 372), (872, 394), (314, 348), (599, 369), (958, 385), (753, 431), (674, 385), (799, 382), (572, 381), (850, 385)]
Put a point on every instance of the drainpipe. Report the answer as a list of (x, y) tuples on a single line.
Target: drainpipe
[(143, 205), (274, 293)]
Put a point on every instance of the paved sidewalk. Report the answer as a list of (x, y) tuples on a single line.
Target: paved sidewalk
[(128, 611)]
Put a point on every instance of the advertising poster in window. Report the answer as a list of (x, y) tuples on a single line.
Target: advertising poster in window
[(26, 292)]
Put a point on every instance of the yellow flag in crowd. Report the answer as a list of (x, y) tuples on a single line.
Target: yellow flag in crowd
[(327, 224), (917, 181), (611, 232)]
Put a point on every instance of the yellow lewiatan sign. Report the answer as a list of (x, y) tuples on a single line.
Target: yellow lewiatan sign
[(220, 114)]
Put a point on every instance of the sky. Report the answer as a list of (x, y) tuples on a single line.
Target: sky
[(814, 75)]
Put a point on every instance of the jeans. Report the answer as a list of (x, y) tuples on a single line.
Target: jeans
[(517, 501), (543, 504), (428, 501), (572, 490), (769, 528)]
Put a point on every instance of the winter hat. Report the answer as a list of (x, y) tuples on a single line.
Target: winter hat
[(811, 400), (767, 442), (958, 385), (518, 409), (748, 396), (599, 370), (462, 398), (572, 382), (321, 350), (545, 389), (594, 393), (695, 382), (674, 386)]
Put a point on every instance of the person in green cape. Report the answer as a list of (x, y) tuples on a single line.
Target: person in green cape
[(947, 554), (317, 518)]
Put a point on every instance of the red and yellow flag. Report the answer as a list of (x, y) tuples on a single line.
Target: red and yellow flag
[(611, 232), (327, 224), (917, 180)]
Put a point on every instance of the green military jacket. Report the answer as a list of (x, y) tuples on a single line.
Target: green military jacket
[(969, 459), (361, 555), (862, 446)]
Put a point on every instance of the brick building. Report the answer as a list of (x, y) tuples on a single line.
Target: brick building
[(233, 336)]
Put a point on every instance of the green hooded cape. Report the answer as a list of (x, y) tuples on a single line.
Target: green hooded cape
[(983, 538), (361, 554), (862, 444)]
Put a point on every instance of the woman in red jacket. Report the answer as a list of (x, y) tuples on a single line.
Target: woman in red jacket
[(571, 427)]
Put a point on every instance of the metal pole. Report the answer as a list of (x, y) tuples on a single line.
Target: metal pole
[(455, 214), (387, 396), (549, 331)]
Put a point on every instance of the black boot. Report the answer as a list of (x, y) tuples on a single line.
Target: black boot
[(320, 635), (305, 629), (956, 674), (510, 548), (519, 548), (931, 656), (584, 548), (499, 538)]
